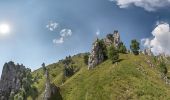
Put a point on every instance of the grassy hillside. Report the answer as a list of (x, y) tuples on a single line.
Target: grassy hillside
[(132, 78)]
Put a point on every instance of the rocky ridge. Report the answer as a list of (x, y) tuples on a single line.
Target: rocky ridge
[(96, 55)]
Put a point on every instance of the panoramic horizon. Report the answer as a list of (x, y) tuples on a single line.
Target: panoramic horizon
[(47, 31), (84, 49)]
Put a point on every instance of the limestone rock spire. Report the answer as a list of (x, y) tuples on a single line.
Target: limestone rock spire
[(47, 93)]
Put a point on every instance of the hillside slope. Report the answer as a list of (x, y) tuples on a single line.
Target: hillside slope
[(132, 78)]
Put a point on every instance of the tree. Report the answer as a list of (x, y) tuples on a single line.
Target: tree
[(113, 54), (27, 88), (21, 95), (135, 47), (163, 68), (67, 60), (122, 48), (86, 58)]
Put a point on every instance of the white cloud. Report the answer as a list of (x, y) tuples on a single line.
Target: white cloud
[(52, 26), (160, 43), (58, 41), (64, 33), (146, 42), (149, 5)]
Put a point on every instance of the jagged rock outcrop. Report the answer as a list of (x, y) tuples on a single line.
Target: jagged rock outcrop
[(97, 53), (51, 90), (116, 36), (47, 93), (96, 56), (11, 79), (109, 40), (112, 39), (147, 51)]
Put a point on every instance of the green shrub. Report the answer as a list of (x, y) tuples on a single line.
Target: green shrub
[(86, 58), (122, 48), (163, 68), (113, 54)]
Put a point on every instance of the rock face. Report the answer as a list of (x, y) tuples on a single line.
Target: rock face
[(112, 39), (51, 90), (11, 79), (147, 52), (47, 93), (116, 36), (96, 55)]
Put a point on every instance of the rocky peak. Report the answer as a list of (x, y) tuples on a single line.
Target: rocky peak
[(11, 79), (116, 36), (112, 39), (97, 53)]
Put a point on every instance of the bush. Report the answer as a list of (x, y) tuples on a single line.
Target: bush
[(113, 54), (69, 71), (54, 75), (67, 60), (163, 68), (122, 48), (86, 58)]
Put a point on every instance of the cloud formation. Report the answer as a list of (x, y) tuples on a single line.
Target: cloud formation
[(64, 33), (160, 43), (52, 26), (149, 5), (58, 41)]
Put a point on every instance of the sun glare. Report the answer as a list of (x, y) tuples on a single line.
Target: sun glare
[(4, 29)]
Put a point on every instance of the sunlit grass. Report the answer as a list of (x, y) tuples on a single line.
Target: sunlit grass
[(125, 80)]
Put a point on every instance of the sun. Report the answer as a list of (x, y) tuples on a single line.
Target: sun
[(4, 28)]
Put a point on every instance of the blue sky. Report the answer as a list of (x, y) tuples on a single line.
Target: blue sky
[(31, 42)]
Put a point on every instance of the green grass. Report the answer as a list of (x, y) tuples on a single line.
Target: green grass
[(122, 81)]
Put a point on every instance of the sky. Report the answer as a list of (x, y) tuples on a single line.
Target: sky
[(48, 30)]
